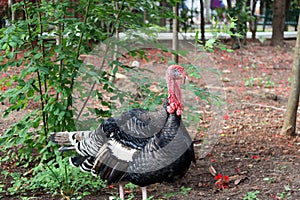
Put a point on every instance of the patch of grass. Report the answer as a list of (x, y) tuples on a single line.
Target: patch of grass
[(269, 179), (251, 195), (183, 191), (265, 82), (249, 82), (286, 194)]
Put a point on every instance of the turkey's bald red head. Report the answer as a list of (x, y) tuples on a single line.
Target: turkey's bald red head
[(175, 77)]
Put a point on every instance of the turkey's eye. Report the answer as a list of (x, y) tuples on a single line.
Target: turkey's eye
[(176, 73)]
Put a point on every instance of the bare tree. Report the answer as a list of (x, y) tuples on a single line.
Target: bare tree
[(278, 22), (289, 125), (175, 33)]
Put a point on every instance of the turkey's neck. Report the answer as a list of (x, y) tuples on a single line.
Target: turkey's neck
[(174, 97)]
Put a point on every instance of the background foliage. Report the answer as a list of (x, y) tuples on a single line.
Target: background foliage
[(45, 46)]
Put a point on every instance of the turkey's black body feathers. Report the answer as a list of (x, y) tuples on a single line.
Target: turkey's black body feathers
[(139, 146), (166, 157)]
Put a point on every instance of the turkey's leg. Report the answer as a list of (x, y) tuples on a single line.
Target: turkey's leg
[(144, 193), (121, 191)]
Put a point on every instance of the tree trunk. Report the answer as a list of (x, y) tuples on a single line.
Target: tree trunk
[(278, 22), (162, 20), (202, 22), (253, 22), (229, 4), (192, 13), (175, 34), (12, 12), (289, 125), (287, 6), (262, 8), (207, 11)]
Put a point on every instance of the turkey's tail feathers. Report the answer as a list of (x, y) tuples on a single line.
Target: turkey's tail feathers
[(88, 164), (112, 161), (65, 148), (197, 141), (85, 143), (84, 162), (76, 161), (68, 138), (61, 137), (113, 174)]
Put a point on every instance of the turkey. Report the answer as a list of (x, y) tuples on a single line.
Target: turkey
[(138, 146)]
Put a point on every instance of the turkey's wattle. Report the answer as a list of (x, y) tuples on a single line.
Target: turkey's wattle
[(175, 77), (139, 146)]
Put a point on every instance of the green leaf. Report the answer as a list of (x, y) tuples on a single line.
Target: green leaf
[(43, 69), (38, 56), (30, 93), (197, 36)]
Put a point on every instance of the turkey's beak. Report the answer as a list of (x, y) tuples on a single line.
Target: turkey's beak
[(185, 79)]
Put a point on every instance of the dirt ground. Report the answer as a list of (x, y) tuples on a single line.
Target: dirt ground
[(250, 155)]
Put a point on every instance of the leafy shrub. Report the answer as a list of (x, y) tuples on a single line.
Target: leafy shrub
[(45, 50)]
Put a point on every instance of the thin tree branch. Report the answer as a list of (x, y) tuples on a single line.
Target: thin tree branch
[(103, 61), (69, 100), (38, 73), (43, 56), (264, 106)]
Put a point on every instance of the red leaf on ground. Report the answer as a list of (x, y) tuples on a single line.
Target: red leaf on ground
[(226, 178), (222, 181), (247, 97), (218, 177), (4, 88)]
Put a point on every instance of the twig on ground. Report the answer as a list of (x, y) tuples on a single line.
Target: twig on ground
[(264, 106)]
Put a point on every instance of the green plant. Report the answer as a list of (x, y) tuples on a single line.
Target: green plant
[(269, 179), (45, 50), (183, 191), (241, 12), (218, 33), (47, 71), (1, 189), (131, 187), (249, 82), (62, 179), (283, 168), (268, 83), (260, 81), (251, 195), (261, 39), (286, 194)]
